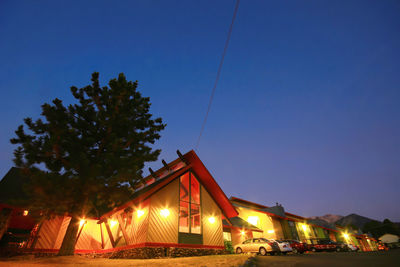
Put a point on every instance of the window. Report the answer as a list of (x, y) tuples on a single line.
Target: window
[(248, 241), (227, 236), (189, 204)]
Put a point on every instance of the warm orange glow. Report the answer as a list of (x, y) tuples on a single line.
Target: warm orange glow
[(271, 231), (140, 213), (346, 236), (304, 227), (165, 212), (211, 220), (25, 213), (253, 220), (81, 222), (242, 232), (113, 223)]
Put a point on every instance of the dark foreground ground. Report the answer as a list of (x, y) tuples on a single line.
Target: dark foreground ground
[(327, 259)]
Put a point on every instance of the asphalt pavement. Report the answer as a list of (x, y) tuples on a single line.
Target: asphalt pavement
[(328, 259)]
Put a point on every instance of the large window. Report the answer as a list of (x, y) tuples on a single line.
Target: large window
[(189, 204)]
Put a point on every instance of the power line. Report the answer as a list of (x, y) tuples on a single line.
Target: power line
[(218, 72)]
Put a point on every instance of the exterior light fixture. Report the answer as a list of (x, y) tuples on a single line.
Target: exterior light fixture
[(271, 231), (82, 222), (165, 213), (25, 213), (242, 232), (211, 220), (113, 223), (140, 213), (304, 227), (253, 220), (346, 236)]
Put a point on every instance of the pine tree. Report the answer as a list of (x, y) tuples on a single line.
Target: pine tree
[(84, 159)]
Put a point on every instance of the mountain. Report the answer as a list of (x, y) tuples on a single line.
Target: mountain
[(354, 219), (329, 218)]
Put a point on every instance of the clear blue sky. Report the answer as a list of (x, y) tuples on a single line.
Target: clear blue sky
[(307, 112)]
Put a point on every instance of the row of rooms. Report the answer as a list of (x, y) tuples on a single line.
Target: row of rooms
[(181, 208), (270, 224)]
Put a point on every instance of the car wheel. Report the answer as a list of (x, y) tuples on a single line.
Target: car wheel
[(295, 251), (239, 251), (263, 251), (313, 250)]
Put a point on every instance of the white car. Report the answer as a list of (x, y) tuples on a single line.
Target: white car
[(352, 247), (260, 245), (284, 247)]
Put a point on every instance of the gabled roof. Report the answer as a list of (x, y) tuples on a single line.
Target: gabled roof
[(11, 186), (171, 171)]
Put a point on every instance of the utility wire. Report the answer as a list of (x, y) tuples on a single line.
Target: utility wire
[(221, 63)]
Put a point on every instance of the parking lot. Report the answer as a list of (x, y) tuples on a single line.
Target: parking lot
[(327, 259)]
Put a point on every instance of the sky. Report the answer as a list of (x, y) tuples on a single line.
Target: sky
[(306, 112)]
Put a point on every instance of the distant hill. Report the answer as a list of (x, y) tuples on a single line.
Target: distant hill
[(354, 219), (329, 218)]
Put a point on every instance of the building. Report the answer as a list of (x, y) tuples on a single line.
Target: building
[(178, 210)]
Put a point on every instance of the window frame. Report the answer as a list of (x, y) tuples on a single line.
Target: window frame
[(190, 203)]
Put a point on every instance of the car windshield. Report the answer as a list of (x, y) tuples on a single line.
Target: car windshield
[(264, 240)]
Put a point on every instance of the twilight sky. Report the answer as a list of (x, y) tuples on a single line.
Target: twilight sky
[(307, 111)]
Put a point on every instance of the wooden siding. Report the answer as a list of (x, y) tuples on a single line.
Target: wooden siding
[(164, 229), (137, 231), (61, 232), (212, 232), (48, 233), (90, 237)]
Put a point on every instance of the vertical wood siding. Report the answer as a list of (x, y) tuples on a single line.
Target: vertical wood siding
[(61, 232), (90, 237), (164, 229), (138, 230), (212, 232), (48, 233)]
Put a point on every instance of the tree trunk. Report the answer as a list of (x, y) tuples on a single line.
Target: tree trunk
[(68, 244)]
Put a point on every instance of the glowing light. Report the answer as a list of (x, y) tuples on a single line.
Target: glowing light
[(253, 220), (271, 231), (113, 223), (211, 220), (25, 213), (81, 222), (304, 227), (165, 212), (140, 213), (242, 232), (346, 236)]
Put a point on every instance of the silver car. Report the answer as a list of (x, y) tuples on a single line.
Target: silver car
[(284, 247), (260, 245)]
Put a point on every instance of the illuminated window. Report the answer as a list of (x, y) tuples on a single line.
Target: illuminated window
[(189, 207), (227, 236)]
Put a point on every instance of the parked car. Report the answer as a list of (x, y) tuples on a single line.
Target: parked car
[(297, 246), (284, 247), (259, 245), (382, 246), (353, 248), (317, 244)]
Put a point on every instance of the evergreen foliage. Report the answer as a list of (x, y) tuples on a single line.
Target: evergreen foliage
[(84, 158)]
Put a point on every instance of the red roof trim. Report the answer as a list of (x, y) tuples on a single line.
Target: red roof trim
[(145, 195), (211, 185), (203, 175)]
